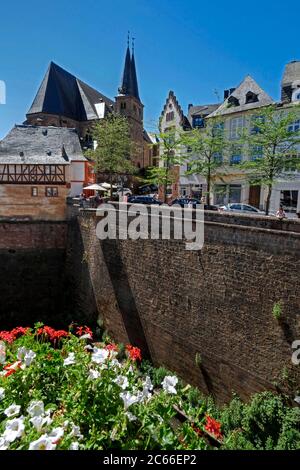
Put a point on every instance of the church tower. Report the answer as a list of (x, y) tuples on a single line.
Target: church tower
[(128, 103)]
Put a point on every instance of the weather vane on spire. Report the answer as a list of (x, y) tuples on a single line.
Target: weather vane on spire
[(128, 38)]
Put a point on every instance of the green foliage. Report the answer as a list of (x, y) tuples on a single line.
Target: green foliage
[(277, 310), (114, 146), (81, 390), (270, 132)]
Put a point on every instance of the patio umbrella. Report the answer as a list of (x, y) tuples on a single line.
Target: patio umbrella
[(95, 187), (107, 186)]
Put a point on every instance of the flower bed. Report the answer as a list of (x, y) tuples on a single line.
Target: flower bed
[(59, 390)]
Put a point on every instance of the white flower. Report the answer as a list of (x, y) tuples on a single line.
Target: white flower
[(86, 336), (76, 432), (115, 364), (21, 353), (99, 355), (169, 383), (93, 374), (147, 387), (2, 393), (28, 358), (56, 434), (43, 443), (2, 352), (297, 400), (3, 444), (39, 421), (89, 347), (70, 359), (36, 408), (66, 424), (14, 429), (122, 381), (130, 416), (129, 399), (12, 410), (74, 446)]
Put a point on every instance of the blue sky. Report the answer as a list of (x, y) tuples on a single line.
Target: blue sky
[(189, 46)]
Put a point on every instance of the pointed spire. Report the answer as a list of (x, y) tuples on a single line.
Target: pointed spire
[(129, 85), (135, 89)]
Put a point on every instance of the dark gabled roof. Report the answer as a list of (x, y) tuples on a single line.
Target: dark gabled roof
[(26, 144), (184, 122), (129, 85), (63, 94), (202, 110)]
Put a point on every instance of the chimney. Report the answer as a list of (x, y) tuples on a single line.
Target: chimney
[(226, 94), (190, 105)]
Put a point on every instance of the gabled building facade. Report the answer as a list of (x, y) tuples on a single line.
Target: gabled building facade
[(235, 113), (40, 166)]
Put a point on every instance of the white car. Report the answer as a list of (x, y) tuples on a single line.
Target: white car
[(241, 209), (123, 191)]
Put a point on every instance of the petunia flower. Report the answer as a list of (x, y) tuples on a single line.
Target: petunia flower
[(74, 446), (99, 355), (70, 359), (2, 393), (36, 408), (169, 383), (56, 434), (122, 381), (12, 410), (3, 443), (2, 352), (129, 399), (43, 443), (14, 429)]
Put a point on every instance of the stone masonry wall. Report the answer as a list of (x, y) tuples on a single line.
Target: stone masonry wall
[(205, 314)]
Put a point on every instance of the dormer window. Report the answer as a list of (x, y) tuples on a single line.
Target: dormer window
[(233, 101), (251, 97), (296, 95), (198, 121)]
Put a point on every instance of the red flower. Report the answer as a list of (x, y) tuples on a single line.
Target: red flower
[(11, 368), (111, 347), (213, 427), (84, 330), (19, 331), (7, 336), (134, 353)]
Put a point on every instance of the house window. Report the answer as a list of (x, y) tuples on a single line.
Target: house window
[(256, 152), (295, 126), (218, 129), (235, 191), (236, 155), (123, 105), (217, 157), (251, 97), (34, 191), (170, 116), (198, 121), (236, 126), (51, 192), (233, 101), (255, 124)]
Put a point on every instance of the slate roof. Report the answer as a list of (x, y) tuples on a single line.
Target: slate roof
[(291, 73), (202, 110), (61, 93), (26, 144), (248, 84)]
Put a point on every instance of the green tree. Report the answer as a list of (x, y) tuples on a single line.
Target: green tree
[(207, 146), (170, 156), (114, 146), (272, 146)]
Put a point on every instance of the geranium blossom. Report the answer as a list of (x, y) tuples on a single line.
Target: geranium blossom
[(99, 355), (10, 369), (122, 381), (70, 359), (213, 426), (134, 353), (14, 429), (169, 383), (43, 443), (83, 331), (12, 410)]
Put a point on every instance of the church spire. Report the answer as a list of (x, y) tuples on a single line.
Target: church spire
[(129, 85)]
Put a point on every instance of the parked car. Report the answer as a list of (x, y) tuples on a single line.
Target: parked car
[(143, 200), (241, 209), (186, 202), (122, 191), (147, 189)]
